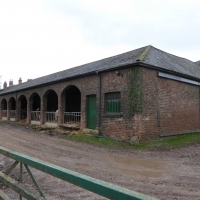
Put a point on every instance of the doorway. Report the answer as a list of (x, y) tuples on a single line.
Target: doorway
[(91, 112)]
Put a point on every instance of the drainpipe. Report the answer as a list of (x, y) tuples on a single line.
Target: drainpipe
[(99, 114)]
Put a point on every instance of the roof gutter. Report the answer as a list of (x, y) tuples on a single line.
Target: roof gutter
[(137, 63), (166, 70), (70, 78)]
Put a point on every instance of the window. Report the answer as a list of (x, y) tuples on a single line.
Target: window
[(112, 102)]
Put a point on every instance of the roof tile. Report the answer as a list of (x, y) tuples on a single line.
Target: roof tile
[(148, 55)]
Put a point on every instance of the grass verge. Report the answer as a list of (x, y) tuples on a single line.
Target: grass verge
[(108, 142), (180, 141)]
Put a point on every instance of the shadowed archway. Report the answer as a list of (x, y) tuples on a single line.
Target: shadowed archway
[(4, 109), (22, 104), (12, 108), (71, 98), (50, 101), (35, 107)]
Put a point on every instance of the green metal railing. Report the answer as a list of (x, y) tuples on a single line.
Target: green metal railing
[(102, 188)]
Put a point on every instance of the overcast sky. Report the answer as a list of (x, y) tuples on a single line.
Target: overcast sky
[(40, 37)]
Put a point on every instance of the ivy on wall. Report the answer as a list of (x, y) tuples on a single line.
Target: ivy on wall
[(135, 91)]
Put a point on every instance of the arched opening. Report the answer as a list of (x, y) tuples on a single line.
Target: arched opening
[(12, 108), (52, 101), (72, 106), (35, 108), (22, 107), (36, 101), (72, 99), (51, 107), (4, 109)]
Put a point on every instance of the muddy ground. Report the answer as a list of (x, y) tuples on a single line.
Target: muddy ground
[(162, 173)]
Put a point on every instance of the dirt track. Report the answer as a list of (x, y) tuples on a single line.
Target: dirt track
[(164, 174)]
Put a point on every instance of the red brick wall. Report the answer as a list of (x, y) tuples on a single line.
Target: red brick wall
[(119, 127), (177, 102)]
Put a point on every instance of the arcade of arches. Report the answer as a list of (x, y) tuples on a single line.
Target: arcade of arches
[(45, 109), (78, 103)]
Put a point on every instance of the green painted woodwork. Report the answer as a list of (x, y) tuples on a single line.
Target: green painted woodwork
[(19, 188), (8, 171), (102, 188), (34, 181), (113, 102), (3, 196), (11, 168), (91, 112), (113, 106)]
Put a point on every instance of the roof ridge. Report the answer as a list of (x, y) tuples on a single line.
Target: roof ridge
[(171, 54), (197, 63), (144, 53)]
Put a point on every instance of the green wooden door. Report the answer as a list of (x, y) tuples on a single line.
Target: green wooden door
[(91, 112)]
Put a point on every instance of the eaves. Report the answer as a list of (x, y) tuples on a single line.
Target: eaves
[(137, 63)]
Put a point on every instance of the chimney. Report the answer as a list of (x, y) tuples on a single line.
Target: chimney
[(5, 85), (10, 82), (19, 81)]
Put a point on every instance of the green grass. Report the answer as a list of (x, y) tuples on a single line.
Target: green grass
[(96, 140), (180, 141)]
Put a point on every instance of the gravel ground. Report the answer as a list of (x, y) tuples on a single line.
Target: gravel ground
[(161, 173)]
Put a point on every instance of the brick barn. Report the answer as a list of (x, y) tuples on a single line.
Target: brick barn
[(146, 93)]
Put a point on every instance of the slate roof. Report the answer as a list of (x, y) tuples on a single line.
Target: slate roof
[(166, 61), (148, 55), (198, 63)]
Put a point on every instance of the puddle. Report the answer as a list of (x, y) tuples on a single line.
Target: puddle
[(153, 174), (147, 167), (82, 165), (135, 172), (141, 162)]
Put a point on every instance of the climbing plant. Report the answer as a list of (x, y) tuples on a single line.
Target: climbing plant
[(135, 91)]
